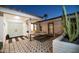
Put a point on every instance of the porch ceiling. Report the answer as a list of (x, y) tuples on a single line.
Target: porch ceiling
[(14, 17)]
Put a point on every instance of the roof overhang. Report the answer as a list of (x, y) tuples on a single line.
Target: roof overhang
[(18, 13)]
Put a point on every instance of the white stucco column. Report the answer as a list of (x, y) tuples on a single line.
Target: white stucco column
[(1, 29), (29, 28), (33, 27)]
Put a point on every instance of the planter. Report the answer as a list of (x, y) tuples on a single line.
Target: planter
[(60, 46)]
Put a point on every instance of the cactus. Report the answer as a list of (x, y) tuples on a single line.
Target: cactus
[(71, 28)]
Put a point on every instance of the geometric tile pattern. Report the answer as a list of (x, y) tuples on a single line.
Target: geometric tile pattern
[(24, 45)]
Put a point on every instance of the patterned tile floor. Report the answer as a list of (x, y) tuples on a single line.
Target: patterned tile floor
[(24, 45)]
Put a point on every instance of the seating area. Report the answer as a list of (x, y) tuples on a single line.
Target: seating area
[(24, 45)]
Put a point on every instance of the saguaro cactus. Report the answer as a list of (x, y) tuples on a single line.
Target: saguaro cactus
[(71, 27)]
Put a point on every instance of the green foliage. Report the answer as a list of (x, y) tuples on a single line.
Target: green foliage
[(71, 27), (1, 45)]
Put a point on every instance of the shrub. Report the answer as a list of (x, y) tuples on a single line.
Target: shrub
[(1, 45)]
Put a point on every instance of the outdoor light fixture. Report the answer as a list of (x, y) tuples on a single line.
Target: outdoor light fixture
[(17, 17)]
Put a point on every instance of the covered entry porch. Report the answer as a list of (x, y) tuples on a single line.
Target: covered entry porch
[(16, 30)]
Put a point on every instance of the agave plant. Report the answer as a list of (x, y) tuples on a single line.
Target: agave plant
[(71, 28)]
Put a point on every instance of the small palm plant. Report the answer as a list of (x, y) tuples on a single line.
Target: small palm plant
[(71, 27), (45, 16)]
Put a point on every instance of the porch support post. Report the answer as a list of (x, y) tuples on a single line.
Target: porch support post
[(33, 27), (29, 28), (53, 29), (38, 27)]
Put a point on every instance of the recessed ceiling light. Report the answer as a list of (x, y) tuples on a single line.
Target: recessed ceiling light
[(17, 17)]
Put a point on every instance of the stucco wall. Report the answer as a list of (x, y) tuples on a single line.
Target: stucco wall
[(44, 26), (10, 19), (1, 29), (57, 26)]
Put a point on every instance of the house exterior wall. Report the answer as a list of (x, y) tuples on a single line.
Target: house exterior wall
[(7, 15), (19, 25), (1, 29), (44, 26), (58, 28), (10, 18)]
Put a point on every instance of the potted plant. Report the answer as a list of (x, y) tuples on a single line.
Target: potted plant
[(68, 42)]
